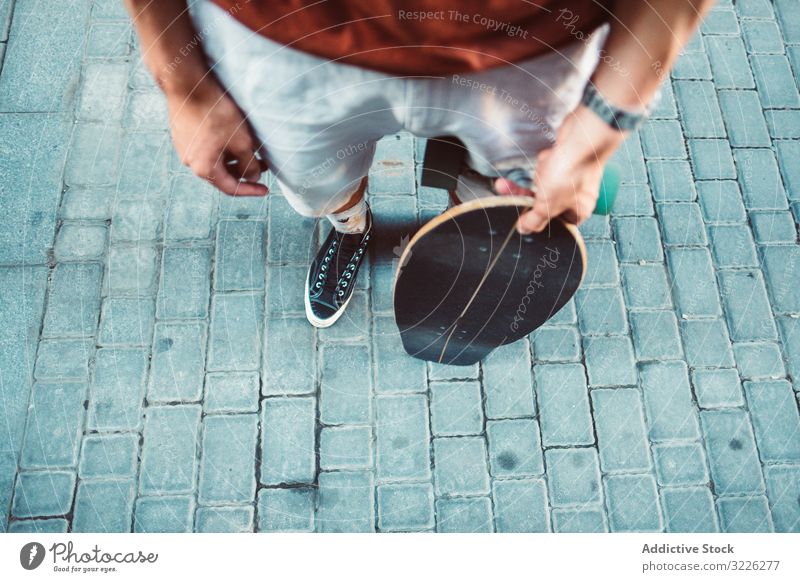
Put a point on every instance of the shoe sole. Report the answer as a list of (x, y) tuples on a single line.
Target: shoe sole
[(316, 321)]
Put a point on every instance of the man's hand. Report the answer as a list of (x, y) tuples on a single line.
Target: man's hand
[(213, 138), (567, 177)]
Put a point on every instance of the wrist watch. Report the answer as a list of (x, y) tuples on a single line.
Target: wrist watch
[(618, 118)]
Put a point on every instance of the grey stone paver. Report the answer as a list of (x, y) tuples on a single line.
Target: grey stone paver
[(157, 373)]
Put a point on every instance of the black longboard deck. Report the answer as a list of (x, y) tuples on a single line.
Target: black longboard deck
[(468, 283)]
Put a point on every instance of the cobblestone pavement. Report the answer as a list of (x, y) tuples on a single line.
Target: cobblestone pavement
[(157, 372)]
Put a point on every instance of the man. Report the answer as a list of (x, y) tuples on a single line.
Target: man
[(307, 88)]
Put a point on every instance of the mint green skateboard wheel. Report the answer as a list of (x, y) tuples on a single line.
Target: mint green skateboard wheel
[(609, 186)]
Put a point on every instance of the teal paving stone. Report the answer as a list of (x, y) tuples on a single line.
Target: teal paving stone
[(693, 283), (760, 179), (630, 160), (117, 390), (744, 119), (132, 270), (345, 447), (632, 502), (568, 520), (244, 207), (240, 254), (144, 164), (700, 113), (706, 343), (354, 325), (754, 8), (721, 201), (176, 366), (104, 506), (671, 181), (86, 204), (227, 465), (392, 170), (680, 464), (633, 200), (73, 304), (33, 160), (297, 244), (108, 40), (601, 311), (775, 81), (717, 388), (556, 344), (515, 448), (602, 266), (595, 227), (103, 90), (289, 357), (788, 152), (288, 441), (39, 526), (77, 242), (456, 408), (662, 139), (668, 402), (127, 321), (168, 514), (345, 502), (565, 417), (712, 159), (406, 507), (43, 493), (235, 336), (609, 361), (638, 239), (759, 360), (733, 246), (184, 288), (783, 490), (746, 305), (55, 422), (645, 287), (776, 421), (470, 515), (744, 514), (790, 334), (782, 269), (689, 510), (41, 69), (60, 360), (507, 382), (169, 463), (231, 392), (285, 288), (732, 453), (137, 220), (692, 65), (655, 335), (574, 477), (520, 505), (438, 372), (729, 62), (682, 224), (564, 316), (191, 210), (665, 107), (109, 456), (345, 397), (788, 19), (394, 370), (286, 510), (382, 275), (93, 158), (460, 466), (621, 432), (402, 438), (783, 124), (230, 519), (720, 21), (146, 110)]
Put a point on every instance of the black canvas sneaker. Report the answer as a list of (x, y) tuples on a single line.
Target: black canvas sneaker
[(332, 276)]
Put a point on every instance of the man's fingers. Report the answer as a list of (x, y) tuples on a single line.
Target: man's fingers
[(247, 165), (221, 178), (535, 219)]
